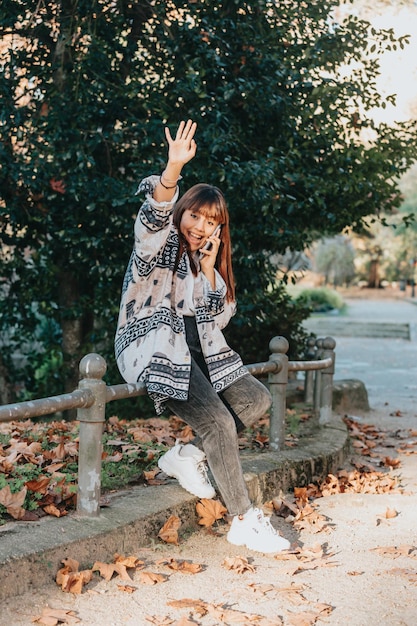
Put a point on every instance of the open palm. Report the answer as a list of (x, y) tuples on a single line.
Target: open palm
[(183, 147)]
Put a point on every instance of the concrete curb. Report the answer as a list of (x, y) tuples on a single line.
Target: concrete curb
[(31, 553)]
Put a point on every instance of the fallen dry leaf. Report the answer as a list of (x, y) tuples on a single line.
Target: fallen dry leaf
[(261, 589), (158, 620), (293, 593), (52, 617), (150, 578), (13, 501), (394, 552), (308, 618), (51, 509), (391, 513), (410, 574), (309, 519), (70, 579), (239, 564), (389, 462), (198, 606), (307, 558), (107, 570), (169, 531), (181, 566), (40, 485), (185, 621), (128, 561), (209, 511), (231, 616)]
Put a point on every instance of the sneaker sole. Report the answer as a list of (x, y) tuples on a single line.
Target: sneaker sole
[(242, 543)]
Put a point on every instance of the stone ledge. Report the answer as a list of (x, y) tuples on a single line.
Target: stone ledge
[(349, 394)]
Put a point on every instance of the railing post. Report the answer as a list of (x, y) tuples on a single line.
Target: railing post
[(278, 387), (309, 375), (92, 369), (317, 379), (326, 396)]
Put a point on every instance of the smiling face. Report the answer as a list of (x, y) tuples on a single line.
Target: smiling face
[(196, 226)]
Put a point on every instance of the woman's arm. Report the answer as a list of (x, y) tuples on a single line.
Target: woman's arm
[(181, 149)]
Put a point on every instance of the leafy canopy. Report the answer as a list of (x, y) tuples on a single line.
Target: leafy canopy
[(281, 93)]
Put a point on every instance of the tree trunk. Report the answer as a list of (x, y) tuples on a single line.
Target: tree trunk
[(72, 332)]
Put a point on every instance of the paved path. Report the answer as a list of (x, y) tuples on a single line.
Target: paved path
[(388, 367)]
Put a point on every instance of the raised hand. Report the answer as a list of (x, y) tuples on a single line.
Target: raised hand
[(183, 147)]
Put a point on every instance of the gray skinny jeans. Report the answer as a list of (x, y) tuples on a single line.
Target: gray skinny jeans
[(217, 418)]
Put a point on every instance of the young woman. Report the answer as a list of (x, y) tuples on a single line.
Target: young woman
[(178, 294)]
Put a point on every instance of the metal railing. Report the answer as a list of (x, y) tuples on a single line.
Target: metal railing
[(92, 396)]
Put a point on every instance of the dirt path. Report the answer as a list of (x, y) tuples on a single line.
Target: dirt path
[(338, 576)]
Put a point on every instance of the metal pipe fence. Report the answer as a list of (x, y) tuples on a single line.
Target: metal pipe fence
[(92, 396)]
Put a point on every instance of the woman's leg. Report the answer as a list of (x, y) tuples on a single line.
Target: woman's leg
[(211, 420), (248, 400)]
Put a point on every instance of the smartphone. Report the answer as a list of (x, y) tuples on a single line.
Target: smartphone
[(208, 244)]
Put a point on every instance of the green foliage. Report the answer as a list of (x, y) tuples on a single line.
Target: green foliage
[(85, 90), (263, 317), (320, 300)]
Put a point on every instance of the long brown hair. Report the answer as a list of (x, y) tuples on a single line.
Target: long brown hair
[(209, 201)]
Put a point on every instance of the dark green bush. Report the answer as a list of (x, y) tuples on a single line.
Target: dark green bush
[(262, 316)]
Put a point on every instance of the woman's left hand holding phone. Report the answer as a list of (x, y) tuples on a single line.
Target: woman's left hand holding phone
[(208, 255)]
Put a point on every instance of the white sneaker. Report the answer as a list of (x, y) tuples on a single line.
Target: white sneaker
[(187, 464), (256, 532)]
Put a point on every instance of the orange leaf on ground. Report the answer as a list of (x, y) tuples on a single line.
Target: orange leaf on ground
[(51, 509), (70, 579), (307, 558), (231, 616), (389, 462), (169, 531), (150, 578), (181, 566), (391, 513), (108, 569), (40, 485), (52, 617), (394, 552), (209, 511), (198, 606), (308, 518), (308, 618), (13, 501), (261, 590), (158, 620), (240, 564), (410, 574), (128, 561), (301, 495)]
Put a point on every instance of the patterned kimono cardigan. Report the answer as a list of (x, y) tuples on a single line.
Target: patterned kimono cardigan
[(150, 343)]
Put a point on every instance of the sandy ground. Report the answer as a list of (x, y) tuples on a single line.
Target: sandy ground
[(338, 578)]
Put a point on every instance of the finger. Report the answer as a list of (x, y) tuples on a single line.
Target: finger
[(180, 130), (168, 135), (189, 129), (193, 147)]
